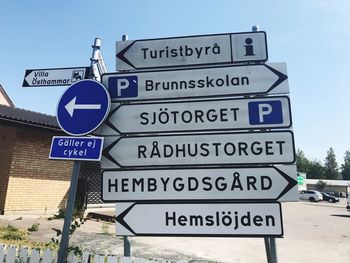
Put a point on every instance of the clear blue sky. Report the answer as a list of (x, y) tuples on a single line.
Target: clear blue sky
[(311, 36)]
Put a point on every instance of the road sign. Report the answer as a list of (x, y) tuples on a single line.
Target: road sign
[(83, 107), (54, 76), (204, 115), (198, 149), (258, 184), (199, 219), (191, 50), (76, 148), (200, 82)]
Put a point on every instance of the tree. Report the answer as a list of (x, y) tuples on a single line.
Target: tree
[(303, 164), (345, 168), (320, 185), (316, 170), (331, 165)]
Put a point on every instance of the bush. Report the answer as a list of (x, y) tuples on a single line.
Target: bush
[(34, 227), (11, 233)]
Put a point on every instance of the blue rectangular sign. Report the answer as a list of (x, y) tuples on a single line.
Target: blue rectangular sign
[(76, 148), (265, 112)]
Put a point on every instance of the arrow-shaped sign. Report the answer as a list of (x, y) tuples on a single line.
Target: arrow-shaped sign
[(216, 184), (204, 115), (191, 50), (54, 76), (200, 82), (199, 149), (72, 106), (199, 219)]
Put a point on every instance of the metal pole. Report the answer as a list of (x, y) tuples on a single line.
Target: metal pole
[(273, 248), (69, 213), (255, 28), (75, 175), (94, 73), (127, 246), (267, 249), (126, 239)]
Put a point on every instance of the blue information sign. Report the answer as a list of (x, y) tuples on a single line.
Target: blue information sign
[(76, 148), (83, 107)]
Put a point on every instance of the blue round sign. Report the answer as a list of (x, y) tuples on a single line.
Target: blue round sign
[(83, 107)]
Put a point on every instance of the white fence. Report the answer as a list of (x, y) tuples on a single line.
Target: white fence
[(12, 254)]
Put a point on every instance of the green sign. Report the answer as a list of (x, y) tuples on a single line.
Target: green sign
[(301, 178)]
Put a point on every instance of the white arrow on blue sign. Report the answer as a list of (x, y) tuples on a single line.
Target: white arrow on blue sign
[(83, 107)]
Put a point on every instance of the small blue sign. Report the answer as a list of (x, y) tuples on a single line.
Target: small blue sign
[(76, 148), (83, 107), (123, 87), (265, 112)]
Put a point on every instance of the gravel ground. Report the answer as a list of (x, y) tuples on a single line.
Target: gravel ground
[(96, 237)]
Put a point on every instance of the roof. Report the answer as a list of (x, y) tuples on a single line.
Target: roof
[(27, 117), (6, 97), (329, 182)]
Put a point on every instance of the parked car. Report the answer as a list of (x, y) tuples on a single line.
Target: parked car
[(329, 198), (311, 195)]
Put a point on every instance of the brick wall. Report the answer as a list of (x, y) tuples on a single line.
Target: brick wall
[(35, 182), (7, 140)]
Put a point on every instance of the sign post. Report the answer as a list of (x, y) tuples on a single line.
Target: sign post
[(198, 143), (81, 109)]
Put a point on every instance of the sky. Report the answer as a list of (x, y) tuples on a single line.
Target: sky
[(311, 36)]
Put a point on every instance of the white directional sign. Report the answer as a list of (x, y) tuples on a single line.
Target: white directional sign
[(219, 184), (191, 50), (199, 219), (200, 82), (204, 115), (199, 149), (54, 76)]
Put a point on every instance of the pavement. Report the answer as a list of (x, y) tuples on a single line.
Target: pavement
[(315, 232)]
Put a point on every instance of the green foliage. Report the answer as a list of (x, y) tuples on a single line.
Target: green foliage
[(60, 215), (34, 227), (303, 164), (105, 228), (331, 166), (12, 233), (316, 170), (345, 168), (320, 186), (55, 242)]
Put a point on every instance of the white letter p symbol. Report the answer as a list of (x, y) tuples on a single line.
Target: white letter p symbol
[(121, 85), (264, 109)]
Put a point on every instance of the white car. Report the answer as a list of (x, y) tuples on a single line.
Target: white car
[(311, 195)]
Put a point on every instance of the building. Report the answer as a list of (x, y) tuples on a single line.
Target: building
[(29, 181), (5, 99), (336, 186)]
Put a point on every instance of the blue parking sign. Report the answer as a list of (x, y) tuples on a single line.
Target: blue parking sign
[(265, 112), (123, 87)]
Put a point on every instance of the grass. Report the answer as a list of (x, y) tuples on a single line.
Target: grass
[(10, 235), (34, 227)]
